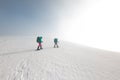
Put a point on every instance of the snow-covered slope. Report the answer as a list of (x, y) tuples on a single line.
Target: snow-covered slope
[(20, 61)]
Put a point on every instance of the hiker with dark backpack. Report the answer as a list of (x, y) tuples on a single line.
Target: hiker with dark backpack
[(56, 43), (39, 41)]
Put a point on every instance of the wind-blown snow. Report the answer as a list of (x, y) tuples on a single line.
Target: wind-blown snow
[(20, 61)]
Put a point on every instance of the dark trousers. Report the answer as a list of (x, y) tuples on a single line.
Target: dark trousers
[(56, 45)]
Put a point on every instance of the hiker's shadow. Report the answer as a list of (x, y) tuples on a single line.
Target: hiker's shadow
[(16, 52)]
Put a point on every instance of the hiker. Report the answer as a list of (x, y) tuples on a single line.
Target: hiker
[(56, 43), (39, 41)]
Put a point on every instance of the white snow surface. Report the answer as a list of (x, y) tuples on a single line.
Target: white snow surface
[(20, 61)]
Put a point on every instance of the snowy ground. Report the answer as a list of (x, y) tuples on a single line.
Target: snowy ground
[(20, 61)]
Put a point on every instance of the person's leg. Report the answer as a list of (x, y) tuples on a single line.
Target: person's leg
[(57, 45), (40, 46)]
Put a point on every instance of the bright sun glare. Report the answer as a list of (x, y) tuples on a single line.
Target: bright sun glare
[(95, 24)]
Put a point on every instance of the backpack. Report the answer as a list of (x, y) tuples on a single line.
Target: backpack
[(55, 40), (38, 39)]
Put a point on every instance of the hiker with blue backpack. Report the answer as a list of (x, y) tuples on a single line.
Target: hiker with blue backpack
[(56, 43)]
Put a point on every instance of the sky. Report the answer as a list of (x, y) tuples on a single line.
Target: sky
[(93, 23), (19, 17)]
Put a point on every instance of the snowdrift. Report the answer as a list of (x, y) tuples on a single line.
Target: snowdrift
[(20, 61)]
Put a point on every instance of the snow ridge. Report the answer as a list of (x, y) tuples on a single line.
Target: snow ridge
[(69, 62)]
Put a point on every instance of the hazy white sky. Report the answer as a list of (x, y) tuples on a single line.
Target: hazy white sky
[(94, 23)]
